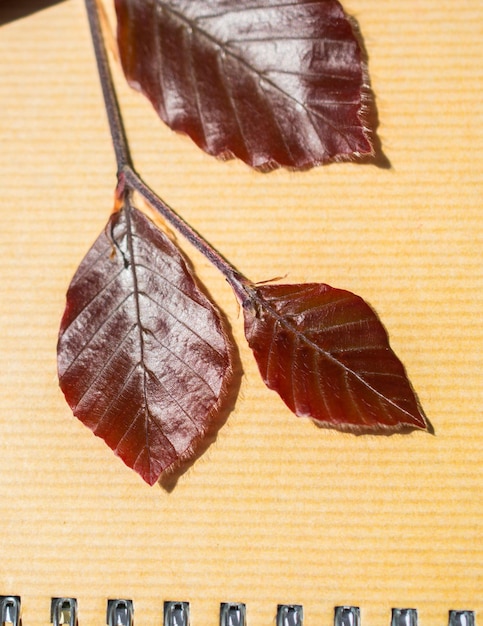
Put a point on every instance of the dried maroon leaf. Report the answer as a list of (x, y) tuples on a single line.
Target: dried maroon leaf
[(328, 356), (143, 359), (270, 82)]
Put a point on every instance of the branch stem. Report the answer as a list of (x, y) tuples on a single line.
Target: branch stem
[(116, 126), (129, 179)]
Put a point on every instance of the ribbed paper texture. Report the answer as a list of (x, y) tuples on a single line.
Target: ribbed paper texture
[(276, 510)]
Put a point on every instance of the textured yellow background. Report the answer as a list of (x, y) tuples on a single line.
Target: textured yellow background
[(276, 510)]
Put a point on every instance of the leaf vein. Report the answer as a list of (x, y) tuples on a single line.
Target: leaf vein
[(187, 365), (114, 399), (87, 304), (175, 400), (96, 331), (93, 381), (190, 329), (172, 284)]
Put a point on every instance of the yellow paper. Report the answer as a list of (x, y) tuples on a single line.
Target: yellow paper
[(276, 510)]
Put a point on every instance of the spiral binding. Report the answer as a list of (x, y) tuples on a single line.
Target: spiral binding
[(64, 612)]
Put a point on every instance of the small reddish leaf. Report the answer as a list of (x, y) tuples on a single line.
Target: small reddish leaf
[(272, 83), (326, 353), (142, 356)]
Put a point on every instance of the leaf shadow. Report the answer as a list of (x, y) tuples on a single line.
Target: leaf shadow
[(360, 431), (229, 394), (11, 11), (370, 112)]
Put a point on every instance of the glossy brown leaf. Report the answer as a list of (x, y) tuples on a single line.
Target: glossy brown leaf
[(142, 356), (326, 353), (270, 82)]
